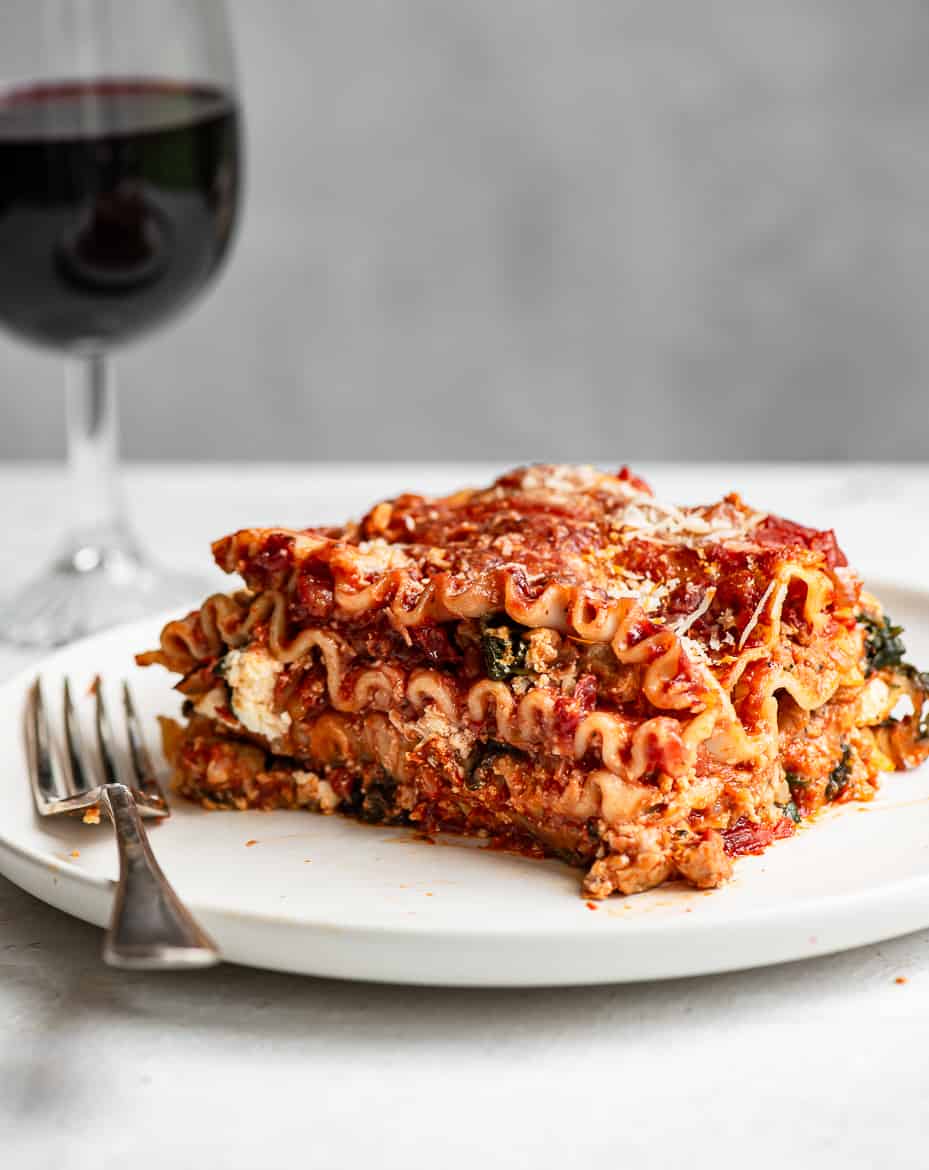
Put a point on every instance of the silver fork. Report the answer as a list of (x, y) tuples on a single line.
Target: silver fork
[(150, 929)]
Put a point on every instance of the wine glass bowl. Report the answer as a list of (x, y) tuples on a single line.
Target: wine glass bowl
[(105, 234), (120, 166)]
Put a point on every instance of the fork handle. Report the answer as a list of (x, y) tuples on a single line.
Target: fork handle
[(150, 929)]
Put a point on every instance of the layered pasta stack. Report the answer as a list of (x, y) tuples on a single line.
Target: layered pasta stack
[(558, 663)]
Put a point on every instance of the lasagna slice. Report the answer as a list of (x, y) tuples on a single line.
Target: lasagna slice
[(558, 663)]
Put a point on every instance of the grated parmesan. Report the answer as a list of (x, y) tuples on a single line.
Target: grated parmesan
[(683, 624), (559, 477), (651, 519), (756, 613)]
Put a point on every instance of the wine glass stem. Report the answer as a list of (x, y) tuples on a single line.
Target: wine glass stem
[(99, 529)]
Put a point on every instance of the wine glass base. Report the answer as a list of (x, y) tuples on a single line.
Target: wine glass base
[(75, 598)]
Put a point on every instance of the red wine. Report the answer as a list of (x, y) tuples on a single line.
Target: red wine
[(117, 201)]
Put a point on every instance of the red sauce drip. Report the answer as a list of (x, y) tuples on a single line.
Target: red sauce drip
[(747, 837), (315, 596), (664, 751), (274, 558), (570, 710), (435, 643)]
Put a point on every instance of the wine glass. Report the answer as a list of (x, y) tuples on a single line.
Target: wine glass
[(119, 186)]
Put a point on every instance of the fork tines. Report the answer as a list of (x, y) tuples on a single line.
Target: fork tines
[(75, 786)]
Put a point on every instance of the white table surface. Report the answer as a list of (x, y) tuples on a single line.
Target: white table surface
[(822, 1063)]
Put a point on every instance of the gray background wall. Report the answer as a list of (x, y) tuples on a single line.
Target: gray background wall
[(597, 229)]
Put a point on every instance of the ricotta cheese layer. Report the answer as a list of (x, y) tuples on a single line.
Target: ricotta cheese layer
[(251, 675)]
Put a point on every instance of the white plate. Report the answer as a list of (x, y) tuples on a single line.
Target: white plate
[(326, 896)]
